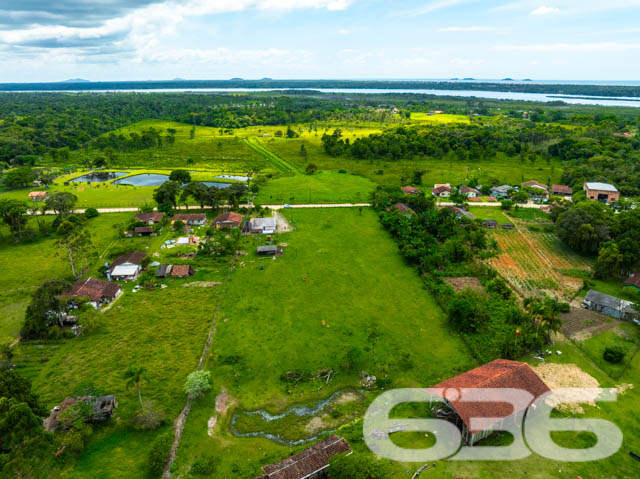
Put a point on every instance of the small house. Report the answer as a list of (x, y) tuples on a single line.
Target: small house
[(508, 226), (493, 224), (126, 267), (501, 192), (469, 192), (191, 219), (99, 292), (143, 230), (271, 250), (150, 218), (310, 463), (498, 374), (263, 225), (561, 190), (441, 191), (102, 408), (227, 220), (37, 196), (603, 192), (164, 271), (411, 190), (633, 282), (536, 185), (609, 305), (182, 271)]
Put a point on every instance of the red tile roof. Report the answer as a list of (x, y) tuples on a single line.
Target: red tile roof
[(135, 257), (185, 217), (181, 270), (146, 217), (501, 373), (37, 194), (410, 190), (440, 189), (561, 189), (93, 288), (468, 189), (143, 229), (228, 219), (309, 461), (633, 280)]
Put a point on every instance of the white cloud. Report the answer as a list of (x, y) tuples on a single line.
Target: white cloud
[(571, 47), (469, 29), (545, 10), (344, 31)]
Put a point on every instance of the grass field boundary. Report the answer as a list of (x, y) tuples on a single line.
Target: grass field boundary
[(283, 165)]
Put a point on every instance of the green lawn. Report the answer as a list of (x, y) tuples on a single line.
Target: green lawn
[(490, 213), (624, 336), (341, 283)]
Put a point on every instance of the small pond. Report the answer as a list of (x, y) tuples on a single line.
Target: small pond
[(216, 184), (144, 179), (233, 177), (99, 176)]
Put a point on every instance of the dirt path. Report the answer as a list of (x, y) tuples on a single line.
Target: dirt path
[(180, 421)]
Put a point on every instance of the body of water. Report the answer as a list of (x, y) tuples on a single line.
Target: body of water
[(154, 179), (99, 176), (494, 95), (233, 177)]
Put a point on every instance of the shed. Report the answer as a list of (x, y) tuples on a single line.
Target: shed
[(609, 305), (602, 192), (164, 271), (263, 225), (182, 271), (310, 463), (508, 226), (498, 374), (490, 223), (272, 250), (143, 230)]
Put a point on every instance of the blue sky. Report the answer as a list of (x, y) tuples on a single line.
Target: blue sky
[(208, 39)]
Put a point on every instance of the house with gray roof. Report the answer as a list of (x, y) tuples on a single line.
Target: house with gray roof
[(609, 305)]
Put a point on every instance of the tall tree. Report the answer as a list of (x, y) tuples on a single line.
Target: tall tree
[(61, 203), (181, 176), (76, 242), (134, 376), (166, 194), (13, 214), (45, 308)]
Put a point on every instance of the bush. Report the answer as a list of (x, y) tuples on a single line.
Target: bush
[(159, 453), (205, 466), (148, 418), (506, 204), (613, 354), (91, 213), (197, 383)]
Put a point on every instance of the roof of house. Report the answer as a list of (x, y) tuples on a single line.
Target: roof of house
[(490, 222), (309, 461), (135, 257), (609, 301), (601, 187), (269, 222), (535, 184), (440, 189), (37, 194), (501, 373), (461, 212), (633, 280), (163, 270), (146, 217), (143, 229), (502, 188), (402, 207), (185, 217), (468, 189), (267, 249), (179, 270), (228, 218), (94, 288), (125, 269), (410, 190), (562, 189)]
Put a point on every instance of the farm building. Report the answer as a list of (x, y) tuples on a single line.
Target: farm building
[(164, 271), (150, 218), (603, 192), (490, 223), (272, 250), (402, 208), (102, 407), (38, 196), (441, 191), (263, 225), (469, 192), (609, 305), (561, 190), (508, 226), (310, 463), (143, 230), (411, 190), (501, 192), (182, 271), (99, 292), (501, 373), (228, 220), (126, 267), (191, 219), (633, 281)]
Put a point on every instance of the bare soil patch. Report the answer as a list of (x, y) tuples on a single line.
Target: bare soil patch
[(465, 282), (580, 324), (201, 284), (558, 376)]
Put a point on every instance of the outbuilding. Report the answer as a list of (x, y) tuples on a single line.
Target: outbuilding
[(603, 192), (150, 218), (609, 305), (490, 224), (263, 225), (270, 250)]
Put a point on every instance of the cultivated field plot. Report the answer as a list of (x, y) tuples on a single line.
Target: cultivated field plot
[(533, 263)]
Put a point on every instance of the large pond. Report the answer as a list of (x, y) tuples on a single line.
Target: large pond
[(154, 179), (99, 176)]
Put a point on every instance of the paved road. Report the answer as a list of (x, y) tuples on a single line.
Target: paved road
[(494, 204)]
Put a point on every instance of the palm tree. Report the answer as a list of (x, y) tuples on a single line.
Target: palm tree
[(134, 376)]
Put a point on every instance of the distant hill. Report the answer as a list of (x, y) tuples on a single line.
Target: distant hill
[(507, 79), (75, 80), (237, 79)]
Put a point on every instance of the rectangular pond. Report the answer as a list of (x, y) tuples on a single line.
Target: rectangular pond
[(99, 176), (154, 179)]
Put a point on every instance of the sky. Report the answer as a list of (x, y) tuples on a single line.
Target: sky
[(110, 40)]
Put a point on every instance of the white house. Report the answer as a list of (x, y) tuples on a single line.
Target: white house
[(265, 226)]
